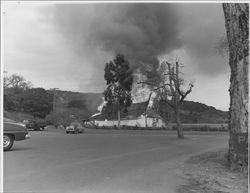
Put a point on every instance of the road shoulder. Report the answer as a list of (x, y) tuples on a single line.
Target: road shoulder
[(209, 173)]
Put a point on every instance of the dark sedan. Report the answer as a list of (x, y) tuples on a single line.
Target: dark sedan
[(13, 131), (36, 125)]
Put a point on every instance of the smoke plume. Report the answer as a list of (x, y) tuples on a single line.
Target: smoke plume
[(140, 31)]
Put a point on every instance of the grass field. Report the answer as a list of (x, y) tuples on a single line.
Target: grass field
[(20, 116), (186, 127), (201, 127)]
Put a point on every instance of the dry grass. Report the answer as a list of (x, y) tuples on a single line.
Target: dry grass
[(200, 127), (208, 173)]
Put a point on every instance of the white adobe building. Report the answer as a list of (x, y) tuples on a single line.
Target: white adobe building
[(136, 115)]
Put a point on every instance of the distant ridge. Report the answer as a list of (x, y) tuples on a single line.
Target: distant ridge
[(195, 112), (84, 105), (191, 112)]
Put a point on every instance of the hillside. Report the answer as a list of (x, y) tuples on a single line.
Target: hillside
[(191, 112), (70, 105), (17, 116), (85, 101), (195, 112)]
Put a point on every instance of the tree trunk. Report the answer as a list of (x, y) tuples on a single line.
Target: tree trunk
[(146, 121), (119, 118), (237, 26), (178, 123)]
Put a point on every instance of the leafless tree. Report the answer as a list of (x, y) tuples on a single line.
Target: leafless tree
[(169, 90)]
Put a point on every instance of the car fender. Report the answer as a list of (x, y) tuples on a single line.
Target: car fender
[(18, 131)]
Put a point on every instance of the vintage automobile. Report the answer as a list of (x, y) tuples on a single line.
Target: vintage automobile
[(29, 124), (13, 131), (75, 127), (36, 125)]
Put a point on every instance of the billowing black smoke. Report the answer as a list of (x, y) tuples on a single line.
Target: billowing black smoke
[(140, 31)]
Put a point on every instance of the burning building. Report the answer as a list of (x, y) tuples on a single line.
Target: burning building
[(139, 113)]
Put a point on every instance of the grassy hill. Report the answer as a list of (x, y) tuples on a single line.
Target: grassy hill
[(87, 102), (70, 105), (195, 112), (17, 116), (74, 105)]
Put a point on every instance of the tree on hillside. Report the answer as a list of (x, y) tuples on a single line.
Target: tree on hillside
[(76, 103), (38, 102), (14, 87), (16, 81), (119, 80), (169, 92), (237, 27)]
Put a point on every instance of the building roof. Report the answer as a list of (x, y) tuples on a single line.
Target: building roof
[(132, 112)]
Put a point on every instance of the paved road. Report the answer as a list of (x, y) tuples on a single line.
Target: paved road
[(112, 162)]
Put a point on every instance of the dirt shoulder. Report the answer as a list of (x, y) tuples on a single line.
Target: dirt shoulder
[(209, 173)]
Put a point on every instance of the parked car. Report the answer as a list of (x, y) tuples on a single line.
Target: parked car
[(40, 125), (75, 127), (37, 125), (29, 124), (13, 131)]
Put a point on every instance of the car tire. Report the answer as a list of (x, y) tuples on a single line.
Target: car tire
[(8, 141), (67, 132)]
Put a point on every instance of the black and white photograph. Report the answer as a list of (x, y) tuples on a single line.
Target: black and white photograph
[(124, 97)]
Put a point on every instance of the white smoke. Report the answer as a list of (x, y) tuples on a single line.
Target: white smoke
[(100, 107)]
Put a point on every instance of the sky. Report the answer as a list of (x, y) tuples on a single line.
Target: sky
[(66, 45)]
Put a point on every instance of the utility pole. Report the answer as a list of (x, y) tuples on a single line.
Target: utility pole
[(54, 104)]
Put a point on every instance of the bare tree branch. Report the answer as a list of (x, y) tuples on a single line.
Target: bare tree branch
[(187, 92)]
